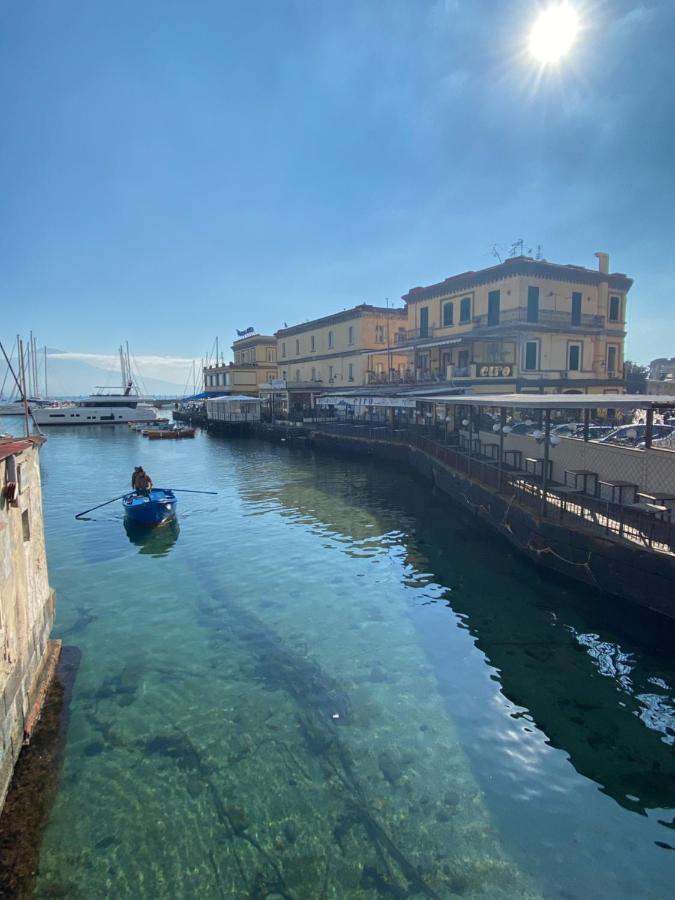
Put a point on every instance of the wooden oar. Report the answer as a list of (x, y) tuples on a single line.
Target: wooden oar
[(79, 515), (184, 491)]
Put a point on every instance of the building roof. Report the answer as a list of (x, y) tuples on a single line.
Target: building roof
[(519, 265), (560, 401), (10, 446), (355, 312), (252, 339)]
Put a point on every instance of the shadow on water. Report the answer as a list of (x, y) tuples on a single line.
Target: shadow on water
[(595, 675), (153, 541), (322, 708), (33, 787)]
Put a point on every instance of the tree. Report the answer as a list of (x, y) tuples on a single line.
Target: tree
[(635, 377)]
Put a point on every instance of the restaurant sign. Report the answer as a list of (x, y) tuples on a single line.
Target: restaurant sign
[(489, 371)]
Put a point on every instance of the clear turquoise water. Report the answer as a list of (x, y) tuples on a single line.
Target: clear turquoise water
[(323, 683)]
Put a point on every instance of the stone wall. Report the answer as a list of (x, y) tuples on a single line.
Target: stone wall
[(606, 564), (26, 601)]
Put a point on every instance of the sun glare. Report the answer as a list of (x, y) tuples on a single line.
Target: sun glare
[(554, 32)]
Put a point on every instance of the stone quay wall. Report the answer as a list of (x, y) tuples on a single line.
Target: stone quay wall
[(28, 657), (603, 562)]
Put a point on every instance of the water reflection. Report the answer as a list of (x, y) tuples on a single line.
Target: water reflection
[(595, 695), (153, 541)]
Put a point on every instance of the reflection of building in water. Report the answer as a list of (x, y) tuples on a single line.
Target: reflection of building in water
[(26, 601)]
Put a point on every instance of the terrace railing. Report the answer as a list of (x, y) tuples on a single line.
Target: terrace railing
[(649, 529)]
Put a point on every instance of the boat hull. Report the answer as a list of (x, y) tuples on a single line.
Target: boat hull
[(150, 510)]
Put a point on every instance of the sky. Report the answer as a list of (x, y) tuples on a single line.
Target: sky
[(173, 171)]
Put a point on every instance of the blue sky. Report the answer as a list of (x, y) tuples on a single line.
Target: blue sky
[(172, 171)]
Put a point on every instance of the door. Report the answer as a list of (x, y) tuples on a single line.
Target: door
[(493, 308)]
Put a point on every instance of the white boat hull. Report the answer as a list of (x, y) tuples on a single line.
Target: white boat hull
[(93, 415)]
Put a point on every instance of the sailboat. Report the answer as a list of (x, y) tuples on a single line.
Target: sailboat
[(105, 407), (13, 405)]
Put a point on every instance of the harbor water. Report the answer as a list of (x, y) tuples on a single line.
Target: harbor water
[(326, 682)]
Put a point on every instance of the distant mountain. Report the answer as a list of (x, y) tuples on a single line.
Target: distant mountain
[(74, 378)]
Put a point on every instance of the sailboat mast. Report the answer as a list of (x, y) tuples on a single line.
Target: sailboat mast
[(22, 377), (35, 367), (46, 390)]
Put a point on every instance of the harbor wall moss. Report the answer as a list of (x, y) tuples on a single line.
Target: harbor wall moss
[(608, 565)]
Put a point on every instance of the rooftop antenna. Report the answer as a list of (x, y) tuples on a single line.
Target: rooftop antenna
[(495, 253)]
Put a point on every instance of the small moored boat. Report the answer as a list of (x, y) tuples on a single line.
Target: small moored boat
[(171, 433), (154, 508)]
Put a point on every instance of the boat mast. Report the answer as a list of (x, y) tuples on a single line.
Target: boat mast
[(22, 377), (46, 391), (35, 367)]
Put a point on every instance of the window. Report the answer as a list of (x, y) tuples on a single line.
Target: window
[(533, 304), (574, 357), (330, 373), (615, 309), (448, 314), (612, 357), (297, 374), (350, 334), (330, 340), (465, 310), (379, 334), (350, 370), (283, 349), (463, 359), (494, 301), (297, 346), (283, 374), (25, 524), (311, 343), (424, 321), (313, 374), (531, 355), (576, 308)]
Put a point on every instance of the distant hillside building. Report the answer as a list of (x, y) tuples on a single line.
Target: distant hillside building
[(661, 377)]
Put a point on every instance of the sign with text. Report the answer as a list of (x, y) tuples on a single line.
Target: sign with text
[(492, 371)]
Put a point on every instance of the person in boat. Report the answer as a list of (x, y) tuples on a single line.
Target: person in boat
[(141, 481)]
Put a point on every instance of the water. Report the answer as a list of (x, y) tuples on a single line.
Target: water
[(324, 683)]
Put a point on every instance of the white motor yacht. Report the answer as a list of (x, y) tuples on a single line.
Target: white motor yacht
[(102, 408)]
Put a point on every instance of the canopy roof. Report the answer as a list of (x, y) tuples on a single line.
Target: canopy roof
[(558, 401), (239, 398)]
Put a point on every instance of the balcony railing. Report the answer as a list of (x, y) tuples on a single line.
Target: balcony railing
[(552, 317), (507, 318)]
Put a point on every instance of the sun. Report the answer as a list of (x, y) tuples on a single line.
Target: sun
[(554, 32)]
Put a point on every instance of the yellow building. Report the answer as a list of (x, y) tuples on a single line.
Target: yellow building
[(354, 347), (522, 325), (254, 364)]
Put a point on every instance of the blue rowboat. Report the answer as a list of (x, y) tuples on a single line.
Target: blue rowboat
[(152, 509)]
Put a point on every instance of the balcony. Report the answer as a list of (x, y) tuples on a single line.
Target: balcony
[(547, 318), (508, 319)]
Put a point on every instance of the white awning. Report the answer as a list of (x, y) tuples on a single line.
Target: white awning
[(560, 401)]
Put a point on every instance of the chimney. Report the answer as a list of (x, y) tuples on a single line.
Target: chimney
[(603, 262)]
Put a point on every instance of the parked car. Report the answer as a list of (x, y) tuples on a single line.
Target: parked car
[(595, 432), (522, 428), (632, 435), (568, 429)]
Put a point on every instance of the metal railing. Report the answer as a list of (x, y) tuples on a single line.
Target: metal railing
[(649, 529)]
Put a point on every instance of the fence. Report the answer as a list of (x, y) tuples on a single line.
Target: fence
[(649, 528)]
